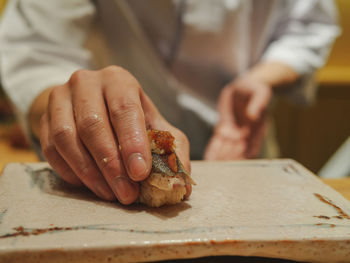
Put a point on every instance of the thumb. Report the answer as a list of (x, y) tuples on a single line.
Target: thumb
[(155, 120), (152, 115), (259, 103), (225, 105)]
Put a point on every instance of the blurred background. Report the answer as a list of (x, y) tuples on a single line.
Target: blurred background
[(311, 134)]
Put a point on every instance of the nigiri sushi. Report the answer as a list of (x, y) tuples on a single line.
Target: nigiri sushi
[(166, 185)]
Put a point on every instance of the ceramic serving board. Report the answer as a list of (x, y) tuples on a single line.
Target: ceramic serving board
[(249, 208)]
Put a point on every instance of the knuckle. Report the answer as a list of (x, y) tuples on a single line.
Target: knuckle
[(132, 138), (55, 93), (121, 73), (113, 69), (183, 136), (62, 134), (78, 76), (123, 110), (90, 124)]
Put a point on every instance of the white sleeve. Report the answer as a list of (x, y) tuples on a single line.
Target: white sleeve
[(303, 38), (41, 44)]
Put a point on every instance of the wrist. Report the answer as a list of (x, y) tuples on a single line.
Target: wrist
[(273, 74)]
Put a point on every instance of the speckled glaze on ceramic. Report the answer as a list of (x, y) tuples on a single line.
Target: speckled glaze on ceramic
[(250, 208)]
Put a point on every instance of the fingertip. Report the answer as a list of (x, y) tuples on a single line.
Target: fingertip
[(109, 198), (188, 191), (73, 181), (131, 198), (103, 191), (128, 201), (125, 190), (253, 112)]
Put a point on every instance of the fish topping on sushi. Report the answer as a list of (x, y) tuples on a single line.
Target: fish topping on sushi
[(166, 185)]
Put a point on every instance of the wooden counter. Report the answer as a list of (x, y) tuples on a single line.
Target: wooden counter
[(9, 154)]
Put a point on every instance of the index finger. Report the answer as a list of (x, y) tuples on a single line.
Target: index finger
[(122, 94)]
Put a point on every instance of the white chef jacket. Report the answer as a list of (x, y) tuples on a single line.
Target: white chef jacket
[(209, 42)]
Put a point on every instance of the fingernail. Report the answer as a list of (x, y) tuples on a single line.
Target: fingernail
[(137, 167), (124, 189), (103, 191)]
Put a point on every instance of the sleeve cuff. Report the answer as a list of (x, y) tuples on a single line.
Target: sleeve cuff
[(29, 88)]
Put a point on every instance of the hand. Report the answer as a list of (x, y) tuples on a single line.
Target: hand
[(242, 108), (93, 133)]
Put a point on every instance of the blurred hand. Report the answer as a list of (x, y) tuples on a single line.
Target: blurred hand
[(93, 133), (242, 108)]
